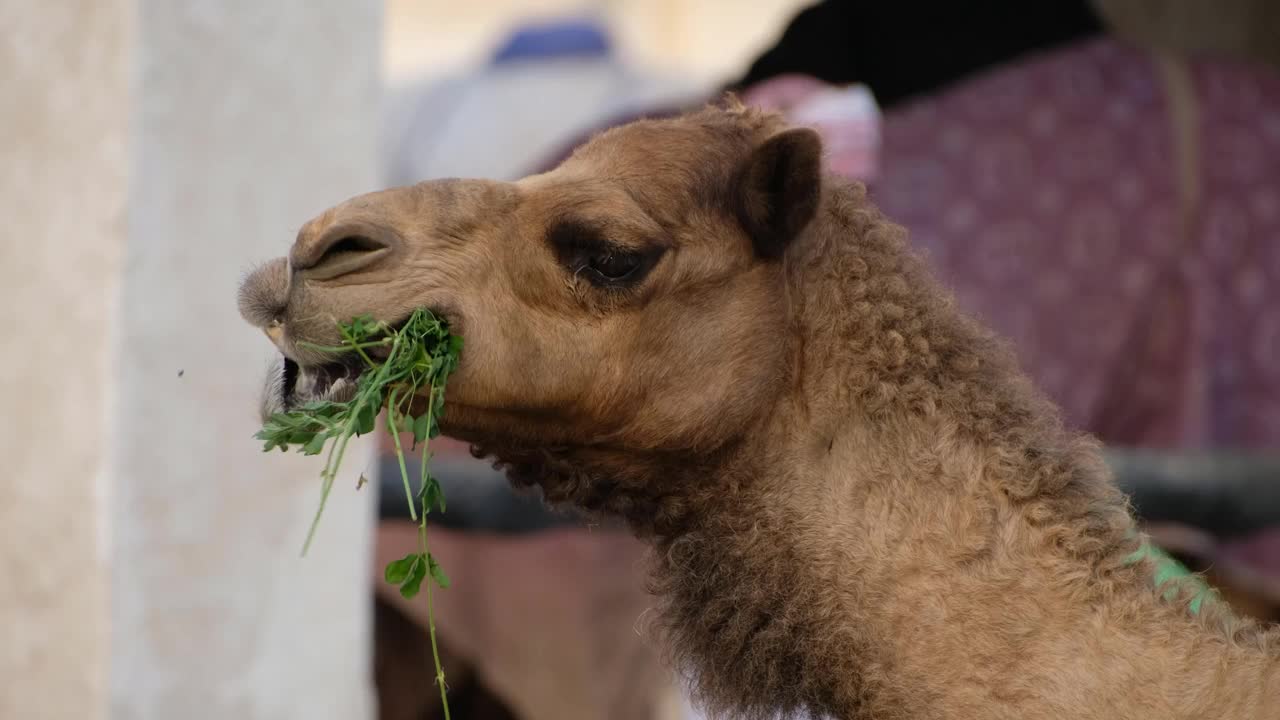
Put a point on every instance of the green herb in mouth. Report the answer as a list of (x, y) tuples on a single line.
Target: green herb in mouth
[(419, 358)]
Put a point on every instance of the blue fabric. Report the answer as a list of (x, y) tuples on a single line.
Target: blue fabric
[(563, 38)]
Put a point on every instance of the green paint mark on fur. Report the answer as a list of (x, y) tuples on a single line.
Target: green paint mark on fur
[(1169, 570)]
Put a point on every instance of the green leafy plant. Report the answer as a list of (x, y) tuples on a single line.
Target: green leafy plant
[(418, 359)]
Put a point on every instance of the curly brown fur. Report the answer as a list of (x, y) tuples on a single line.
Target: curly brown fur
[(859, 506)]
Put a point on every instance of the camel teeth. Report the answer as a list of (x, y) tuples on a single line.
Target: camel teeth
[(342, 390)]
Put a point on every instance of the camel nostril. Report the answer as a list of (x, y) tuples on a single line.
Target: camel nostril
[(341, 255)]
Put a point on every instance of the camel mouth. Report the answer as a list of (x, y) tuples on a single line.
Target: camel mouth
[(292, 385), (334, 381)]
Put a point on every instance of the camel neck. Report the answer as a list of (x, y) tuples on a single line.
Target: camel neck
[(914, 533), (885, 584)]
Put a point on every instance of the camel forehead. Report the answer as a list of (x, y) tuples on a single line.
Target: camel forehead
[(689, 140), (445, 201), (661, 165), (453, 206), (461, 199)]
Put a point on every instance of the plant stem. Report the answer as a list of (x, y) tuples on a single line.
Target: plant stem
[(357, 346), (339, 447), (431, 617), (395, 436), (331, 465), (344, 348), (388, 384), (426, 554)]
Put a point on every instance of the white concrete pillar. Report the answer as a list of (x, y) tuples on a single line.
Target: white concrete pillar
[(62, 199), (153, 151)]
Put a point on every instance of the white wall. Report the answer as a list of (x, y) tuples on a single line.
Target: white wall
[(152, 151), (62, 197)]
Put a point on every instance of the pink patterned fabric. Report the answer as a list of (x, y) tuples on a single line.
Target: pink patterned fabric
[(1046, 195)]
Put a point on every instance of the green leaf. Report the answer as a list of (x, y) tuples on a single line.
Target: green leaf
[(299, 437), (431, 495), (269, 442), (366, 415), (315, 446), (413, 583), (322, 408), (421, 425), (437, 572), (397, 571)]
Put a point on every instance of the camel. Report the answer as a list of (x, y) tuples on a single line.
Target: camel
[(858, 506)]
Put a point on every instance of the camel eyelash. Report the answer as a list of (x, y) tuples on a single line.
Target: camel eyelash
[(587, 254)]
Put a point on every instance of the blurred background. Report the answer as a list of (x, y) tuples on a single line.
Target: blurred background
[(1098, 181)]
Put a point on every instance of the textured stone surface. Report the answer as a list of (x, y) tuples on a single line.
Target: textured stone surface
[(155, 150), (62, 171)]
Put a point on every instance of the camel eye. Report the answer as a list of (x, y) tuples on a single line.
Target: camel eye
[(612, 265), (584, 251)]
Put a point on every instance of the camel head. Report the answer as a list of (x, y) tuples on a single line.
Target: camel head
[(633, 298)]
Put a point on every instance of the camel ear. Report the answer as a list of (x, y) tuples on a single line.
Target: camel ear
[(778, 189)]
